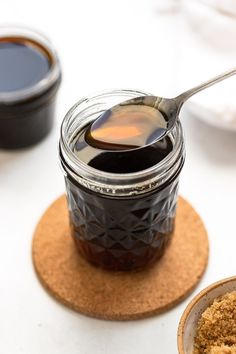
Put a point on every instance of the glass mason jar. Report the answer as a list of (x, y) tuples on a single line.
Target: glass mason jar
[(27, 113), (119, 221)]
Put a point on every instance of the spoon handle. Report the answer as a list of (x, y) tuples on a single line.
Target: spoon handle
[(187, 94)]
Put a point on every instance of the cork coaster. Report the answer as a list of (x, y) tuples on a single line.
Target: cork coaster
[(117, 295)]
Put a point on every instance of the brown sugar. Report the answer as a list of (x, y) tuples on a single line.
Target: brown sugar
[(216, 331), (223, 350)]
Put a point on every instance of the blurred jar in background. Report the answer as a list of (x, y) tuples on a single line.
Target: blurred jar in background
[(207, 48)]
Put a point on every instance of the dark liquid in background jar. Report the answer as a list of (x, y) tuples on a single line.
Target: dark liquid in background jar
[(121, 233), (24, 63)]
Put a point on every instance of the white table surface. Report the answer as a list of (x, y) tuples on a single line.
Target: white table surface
[(104, 44)]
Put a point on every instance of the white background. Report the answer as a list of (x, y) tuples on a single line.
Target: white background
[(105, 44)]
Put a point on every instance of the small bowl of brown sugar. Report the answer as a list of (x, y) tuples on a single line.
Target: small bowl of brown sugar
[(208, 324)]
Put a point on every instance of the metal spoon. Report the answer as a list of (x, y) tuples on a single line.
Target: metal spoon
[(167, 109)]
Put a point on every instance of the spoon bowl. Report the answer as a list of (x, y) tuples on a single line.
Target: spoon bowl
[(139, 123)]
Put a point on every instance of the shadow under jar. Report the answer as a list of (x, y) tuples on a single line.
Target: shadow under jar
[(121, 206)]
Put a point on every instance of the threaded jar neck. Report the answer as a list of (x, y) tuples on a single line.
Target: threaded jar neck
[(114, 184)]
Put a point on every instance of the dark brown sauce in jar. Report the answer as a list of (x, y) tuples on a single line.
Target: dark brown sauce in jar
[(23, 63), (30, 77), (122, 233), (120, 162), (121, 206)]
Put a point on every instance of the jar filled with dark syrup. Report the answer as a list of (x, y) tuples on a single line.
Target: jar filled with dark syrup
[(29, 80), (121, 205)]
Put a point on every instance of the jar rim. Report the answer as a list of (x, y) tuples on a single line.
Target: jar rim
[(51, 76), (112, 182)]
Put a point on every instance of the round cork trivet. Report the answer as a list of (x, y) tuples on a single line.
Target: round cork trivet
[(119, 295)]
